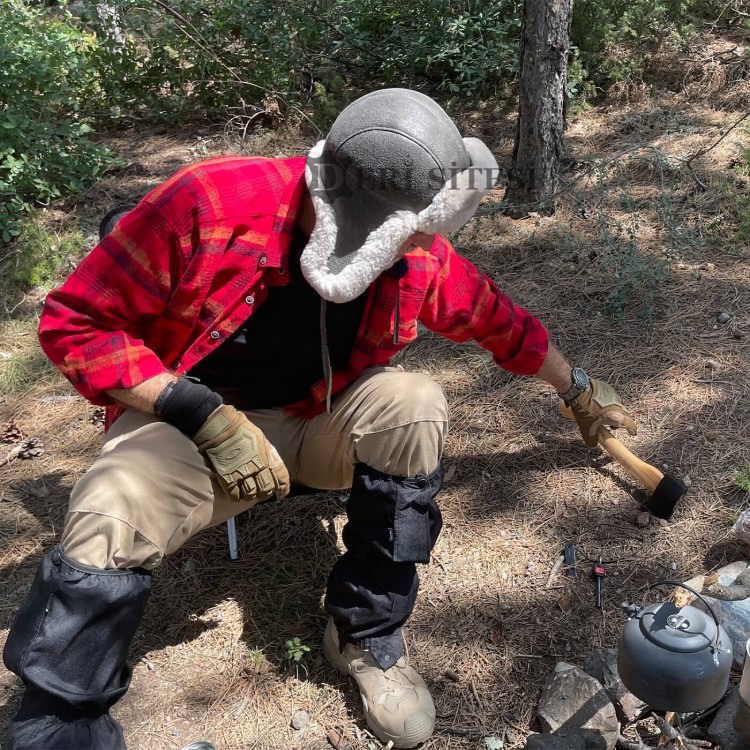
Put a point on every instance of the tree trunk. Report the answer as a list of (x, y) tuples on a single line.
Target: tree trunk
[(111, 25), (533, 176)]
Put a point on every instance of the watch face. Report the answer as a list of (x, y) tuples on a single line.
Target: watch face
[(580, 378)]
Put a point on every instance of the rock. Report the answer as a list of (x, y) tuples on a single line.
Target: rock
[(724, 317), (741, 721), (734, 616), (721, 730), (741, 528), (300, 720), (575, 704), (602, 666), (712, 364), (336, 741), (555, 742), (643, 518)]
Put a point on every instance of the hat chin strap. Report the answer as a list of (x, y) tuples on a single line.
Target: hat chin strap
[(450, 209)]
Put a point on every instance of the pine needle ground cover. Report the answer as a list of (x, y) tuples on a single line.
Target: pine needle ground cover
[(643, 278)]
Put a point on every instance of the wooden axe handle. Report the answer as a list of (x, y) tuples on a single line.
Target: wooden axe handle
[(647, 475)]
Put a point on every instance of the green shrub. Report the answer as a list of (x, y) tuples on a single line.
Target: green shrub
[(468, 48), (616, 38), (204, 60), (742, 478), (222, 56), (42, 258), (48, 84), (297, 653)]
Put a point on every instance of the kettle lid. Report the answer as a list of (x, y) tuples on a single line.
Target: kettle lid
[(681, 629)]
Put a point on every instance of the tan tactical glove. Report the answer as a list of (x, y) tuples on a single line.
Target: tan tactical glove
[(599, 405), (247, 465)]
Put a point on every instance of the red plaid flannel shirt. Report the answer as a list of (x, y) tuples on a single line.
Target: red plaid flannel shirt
[(182, 271)]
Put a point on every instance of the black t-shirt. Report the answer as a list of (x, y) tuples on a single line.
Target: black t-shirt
[(275, 355)]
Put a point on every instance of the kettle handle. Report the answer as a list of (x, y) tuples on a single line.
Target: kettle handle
[(703, 599)]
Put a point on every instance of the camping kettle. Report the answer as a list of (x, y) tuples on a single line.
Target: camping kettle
[(674, 658)]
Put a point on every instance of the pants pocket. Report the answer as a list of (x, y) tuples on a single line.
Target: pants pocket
[(416, 524)]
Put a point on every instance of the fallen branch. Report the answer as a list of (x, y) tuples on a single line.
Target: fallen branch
[(12, 453), (668, 732), (704, 151), (558, 564), (625, 744)]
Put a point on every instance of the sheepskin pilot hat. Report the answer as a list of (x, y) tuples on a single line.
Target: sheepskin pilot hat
[(393, 164)]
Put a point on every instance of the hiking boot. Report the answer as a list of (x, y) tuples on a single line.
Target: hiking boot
[(397, 704)]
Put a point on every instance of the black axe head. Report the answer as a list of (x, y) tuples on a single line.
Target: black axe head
[(665, 497)]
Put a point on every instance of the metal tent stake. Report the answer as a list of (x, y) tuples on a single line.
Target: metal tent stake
[(232, 534)]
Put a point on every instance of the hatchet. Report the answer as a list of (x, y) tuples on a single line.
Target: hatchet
[(665, 490)]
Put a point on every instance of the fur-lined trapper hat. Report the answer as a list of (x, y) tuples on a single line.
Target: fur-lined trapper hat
[(393, 164)]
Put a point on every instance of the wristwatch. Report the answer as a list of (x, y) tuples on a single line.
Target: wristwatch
[(580, 383)]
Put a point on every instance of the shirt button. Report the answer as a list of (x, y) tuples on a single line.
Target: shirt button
[(263, 260), (249, 299), (282, 271), (215, 335)]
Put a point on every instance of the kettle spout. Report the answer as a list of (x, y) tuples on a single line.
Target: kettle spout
[(631, 609)]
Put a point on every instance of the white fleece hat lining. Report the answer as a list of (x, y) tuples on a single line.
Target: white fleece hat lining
[(455, 203)]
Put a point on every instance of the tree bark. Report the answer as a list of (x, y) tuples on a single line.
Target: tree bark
[(533, 176), (110, 24)]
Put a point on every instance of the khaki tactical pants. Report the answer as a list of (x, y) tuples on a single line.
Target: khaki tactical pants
[(150, 490)]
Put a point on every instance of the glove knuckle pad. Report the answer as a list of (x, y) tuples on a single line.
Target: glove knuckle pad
[(247, 465)]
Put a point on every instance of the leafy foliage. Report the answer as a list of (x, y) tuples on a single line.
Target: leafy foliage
[(195, 59), (467, 48), (742, 478), (219, 56), (296, 655), (48, 82), (176, 60), (46, 255), (614, 39)]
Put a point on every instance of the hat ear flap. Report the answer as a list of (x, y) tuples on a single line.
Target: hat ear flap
[(371, 184), (460, 196), (363, 265), (323, 238)]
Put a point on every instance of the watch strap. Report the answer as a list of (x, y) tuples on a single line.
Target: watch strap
[(580, 383)]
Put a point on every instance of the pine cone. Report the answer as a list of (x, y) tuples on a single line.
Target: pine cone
[(97, 418), (31, 448), (11, 433)]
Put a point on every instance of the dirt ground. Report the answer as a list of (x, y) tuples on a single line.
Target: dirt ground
[(492, 617)]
